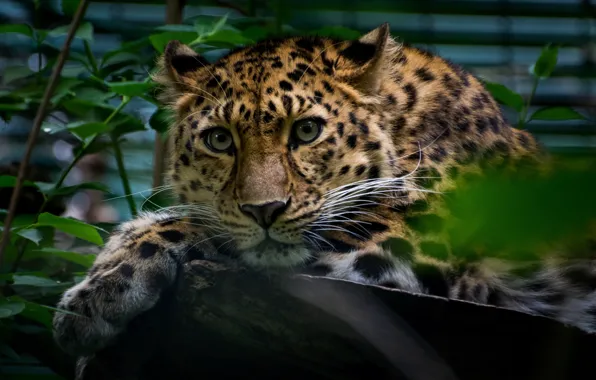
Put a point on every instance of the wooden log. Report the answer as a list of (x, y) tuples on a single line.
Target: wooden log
[(224, 322)]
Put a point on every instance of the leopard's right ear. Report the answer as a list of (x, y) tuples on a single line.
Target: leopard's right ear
[(177, 71)]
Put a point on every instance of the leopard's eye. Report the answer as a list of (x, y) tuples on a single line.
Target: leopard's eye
[(307, 131), (219, 140)]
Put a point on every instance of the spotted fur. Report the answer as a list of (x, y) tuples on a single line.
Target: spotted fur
[(392, 127)]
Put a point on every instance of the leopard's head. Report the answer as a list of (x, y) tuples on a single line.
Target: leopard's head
[(274, 143)]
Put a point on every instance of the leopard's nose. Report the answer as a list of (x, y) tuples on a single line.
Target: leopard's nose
[(264, 214)]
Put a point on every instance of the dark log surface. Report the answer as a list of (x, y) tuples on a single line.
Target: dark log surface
[(225, 323)]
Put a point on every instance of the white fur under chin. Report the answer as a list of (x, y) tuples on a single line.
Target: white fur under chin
[(273, 256)]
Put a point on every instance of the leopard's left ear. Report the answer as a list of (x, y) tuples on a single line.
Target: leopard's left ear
[(365, 62), (177, 70)]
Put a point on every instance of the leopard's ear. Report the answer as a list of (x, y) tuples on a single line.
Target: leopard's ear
[(365, 62), (177, 71)]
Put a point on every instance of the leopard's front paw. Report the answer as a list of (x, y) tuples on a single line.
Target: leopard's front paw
[(127, 279)]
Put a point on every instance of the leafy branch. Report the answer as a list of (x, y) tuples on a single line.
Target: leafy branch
[(541, 70), (39, 117)]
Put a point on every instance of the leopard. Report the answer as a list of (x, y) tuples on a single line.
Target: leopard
[(308, 154)]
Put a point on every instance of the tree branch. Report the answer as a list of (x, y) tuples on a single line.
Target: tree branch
[(225, 322), (39, 117)]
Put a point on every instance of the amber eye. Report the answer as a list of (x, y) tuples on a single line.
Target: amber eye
[(307, 131), (219, 140)]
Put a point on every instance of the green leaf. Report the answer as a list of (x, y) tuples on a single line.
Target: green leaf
[(124, 124), (85, 130), (40, 282), (30, 91), (505, 96), (9, 352), (10, 74), (219, 24), (85, 108), (69, 7), (71, 226), (85, 31), (557, 113), (24, 220), (31, 234), (128, 51), (14, 107), (82, 259), (546, 63), (8, 308), (64, 88), (524, 210), (80, 129), (160, 40), (23, 29), (160, 120), (10, 181), (93, 94), (38, 313), (74, 71), (119, 57), (94, 146), (130, 88)]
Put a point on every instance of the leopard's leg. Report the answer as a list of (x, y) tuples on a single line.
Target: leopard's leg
[(375, 265), (139, 261), (564, 290), (558, 290)]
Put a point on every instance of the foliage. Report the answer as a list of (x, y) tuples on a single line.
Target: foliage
[(542, 69), (96, 91), (518, 214)]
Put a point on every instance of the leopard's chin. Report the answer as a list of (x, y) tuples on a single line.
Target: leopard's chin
[(270, 253)]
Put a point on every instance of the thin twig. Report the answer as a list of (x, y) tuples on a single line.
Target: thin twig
[(124, 176), (81, 152), (39, 117)]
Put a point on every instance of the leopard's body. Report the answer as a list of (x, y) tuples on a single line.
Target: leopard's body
[(310, 153)]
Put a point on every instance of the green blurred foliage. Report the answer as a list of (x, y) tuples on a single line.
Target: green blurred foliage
[(518, 213)]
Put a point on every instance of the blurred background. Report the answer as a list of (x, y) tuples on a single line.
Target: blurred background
[(496, 39)]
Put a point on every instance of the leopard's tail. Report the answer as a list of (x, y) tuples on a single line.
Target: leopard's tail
[(562, 290)]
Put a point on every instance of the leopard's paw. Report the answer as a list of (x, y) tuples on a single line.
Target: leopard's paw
[(138, 263)]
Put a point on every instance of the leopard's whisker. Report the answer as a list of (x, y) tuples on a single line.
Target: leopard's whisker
[(148, 199), (197, 88), (318, 237), (157, 188), (419, 151), (332, 227), (316, 57)]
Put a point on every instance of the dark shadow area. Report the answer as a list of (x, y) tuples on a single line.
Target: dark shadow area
[(235, 324)]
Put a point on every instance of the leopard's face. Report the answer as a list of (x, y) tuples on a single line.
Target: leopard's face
[(265, 140)]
